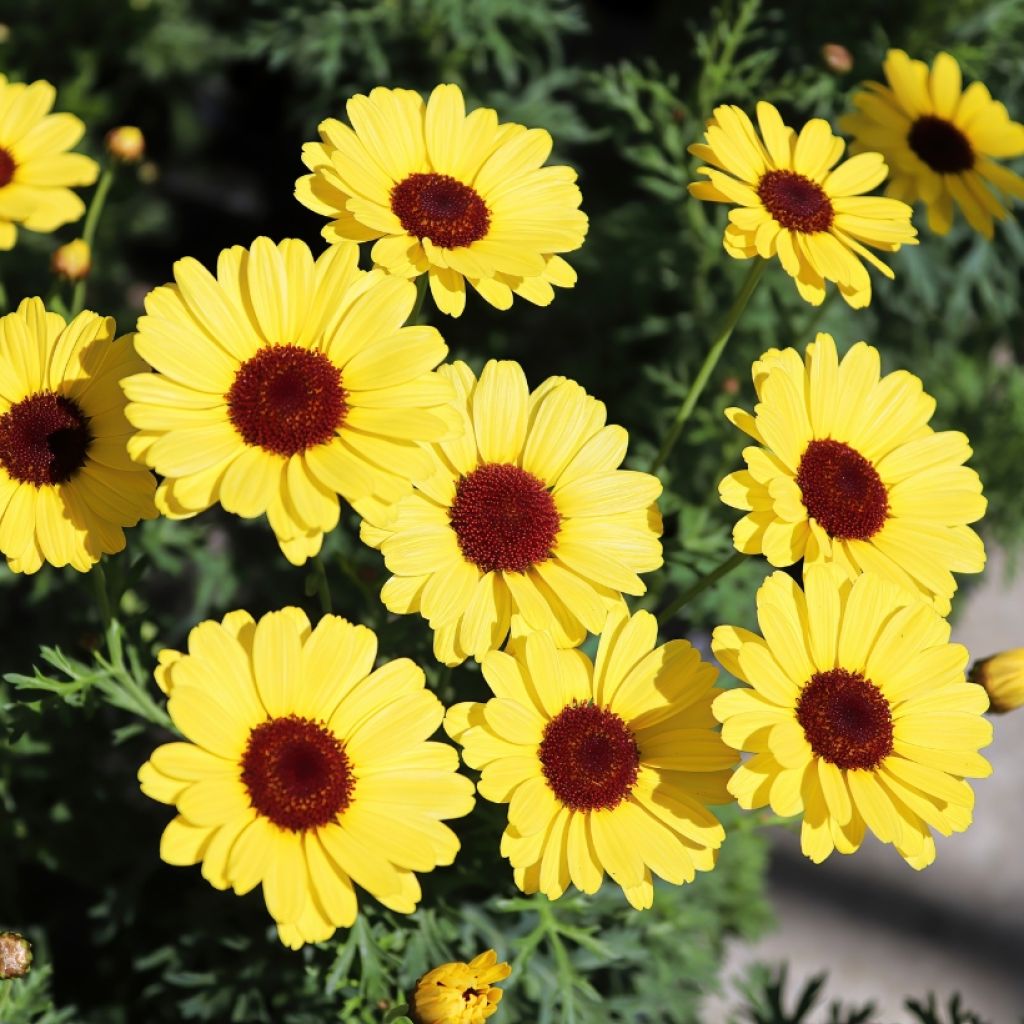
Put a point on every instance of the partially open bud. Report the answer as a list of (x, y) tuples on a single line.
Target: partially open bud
[(15, 955), (126, 143), (459, 993), (1002, 675), (72, 261), (837, 58)]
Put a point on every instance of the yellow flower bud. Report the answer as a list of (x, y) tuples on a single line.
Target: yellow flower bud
[(15, 955), (126, 143), (459, 993), (1002, 675), (837, 58), (72, 261)]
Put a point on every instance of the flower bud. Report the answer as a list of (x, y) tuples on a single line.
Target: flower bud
[(15, 955), (1002, 675), (459, 993), (72, 261), (126, 144), (837, 58)]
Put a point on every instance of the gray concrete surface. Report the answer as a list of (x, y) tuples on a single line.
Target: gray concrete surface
[(884, 931)]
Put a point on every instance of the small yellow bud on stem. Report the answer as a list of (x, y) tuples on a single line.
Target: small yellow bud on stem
[(72, 261), (126, 144)]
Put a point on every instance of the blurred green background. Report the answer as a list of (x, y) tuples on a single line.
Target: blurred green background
[(226, 93)]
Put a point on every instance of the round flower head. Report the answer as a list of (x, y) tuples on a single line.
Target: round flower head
[(606, 767), (1002, 675), (304, 769), (857, 713), (67, 483), (526, 521), (847, 470), (941, 143), (460, 198), (282, 383), (459, 993), (791, 201), (36, 171)]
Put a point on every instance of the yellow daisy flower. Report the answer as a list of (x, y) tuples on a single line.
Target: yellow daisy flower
[(458, 197), (846, 469), (942, 143), (282, 383), (1002, 676), (304, 769), (36, 171), (606, 767), (791, 201), (526, 521), (857, 713), (67, 484), (459, 993)]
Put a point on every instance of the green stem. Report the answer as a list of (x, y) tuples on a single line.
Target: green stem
[(710, 362), (421, 294), (92, 222), (3, 297), (99, 581), (323, 588), (707, 580)]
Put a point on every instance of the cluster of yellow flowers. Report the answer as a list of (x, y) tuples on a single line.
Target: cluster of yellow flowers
[(284, 381)]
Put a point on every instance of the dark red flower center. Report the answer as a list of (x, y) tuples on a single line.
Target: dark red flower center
[(504, 518), (44, 439), (842, 490), (846, 719), (941, 145), (438, 207), (589, 757), (297, 773), (7, 166), (287, 399), (795, 201)]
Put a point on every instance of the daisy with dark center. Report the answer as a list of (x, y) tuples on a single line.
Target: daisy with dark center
[(942, 142), (457, 197), (857, 714), (37, 173), (606, 767), (283, 382), (304, 769), (793, 202), (847, 470), (525, 522), (67, 485)]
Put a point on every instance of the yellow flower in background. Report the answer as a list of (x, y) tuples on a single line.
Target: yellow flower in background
[(526, 521), (1002, 675), (606, 767), (941, 141), (304, 769), (67, 484), (126, 143), (847, 470), (792, 202), (282, 383), (857, 713), (457, 197), (459, 993), (36, 171), (72, 261)]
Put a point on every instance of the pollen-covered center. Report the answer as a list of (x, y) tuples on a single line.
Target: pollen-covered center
[(589, 757), (842, 490), (286, 399), (297, 773), (438, 207), (941, 145), (44, 439), (504, 518), (795, 201), (7, 167), (846, 719)]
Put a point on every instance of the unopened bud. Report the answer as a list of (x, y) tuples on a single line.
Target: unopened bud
[(1002, 675), (126, 143), (837, 58), (72, 261), (15, 955)]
